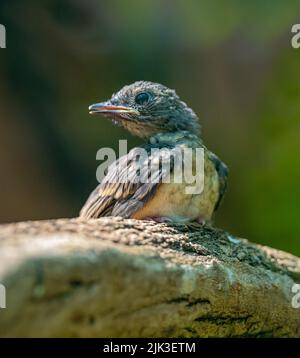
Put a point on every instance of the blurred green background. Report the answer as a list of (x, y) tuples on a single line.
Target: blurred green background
[(232, 62)]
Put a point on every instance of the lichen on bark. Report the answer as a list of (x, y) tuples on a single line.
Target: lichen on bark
[(125, 278)]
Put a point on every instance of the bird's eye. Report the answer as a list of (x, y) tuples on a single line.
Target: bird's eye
[(142, 98)]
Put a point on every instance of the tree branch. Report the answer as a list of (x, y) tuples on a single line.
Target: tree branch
[(125, 278)]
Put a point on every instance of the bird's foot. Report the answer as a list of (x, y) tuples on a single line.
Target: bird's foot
[(160, 219), (194, 225), (200, 220)]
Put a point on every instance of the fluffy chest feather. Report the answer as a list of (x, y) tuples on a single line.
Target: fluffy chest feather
[(172, 199)]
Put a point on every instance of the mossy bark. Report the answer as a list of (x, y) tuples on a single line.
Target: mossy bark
[(125, 278)]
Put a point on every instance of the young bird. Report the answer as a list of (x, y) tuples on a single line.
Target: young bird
[(156, 114)]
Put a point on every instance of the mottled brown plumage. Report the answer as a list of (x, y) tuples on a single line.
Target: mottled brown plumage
[(156, 113)]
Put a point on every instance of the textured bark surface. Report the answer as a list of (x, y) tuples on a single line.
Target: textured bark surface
[(125, 278)]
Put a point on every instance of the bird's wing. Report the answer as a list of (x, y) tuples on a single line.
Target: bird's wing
[(222, 171), (127, 186)]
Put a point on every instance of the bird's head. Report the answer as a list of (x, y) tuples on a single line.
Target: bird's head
[(146, 109)]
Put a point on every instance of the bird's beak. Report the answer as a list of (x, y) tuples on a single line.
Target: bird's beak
[(108, 108)]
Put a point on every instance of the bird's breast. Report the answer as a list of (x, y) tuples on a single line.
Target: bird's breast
[(184, 201)]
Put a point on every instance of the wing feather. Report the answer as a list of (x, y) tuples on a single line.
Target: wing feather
[(124, 189), (222, 171)]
